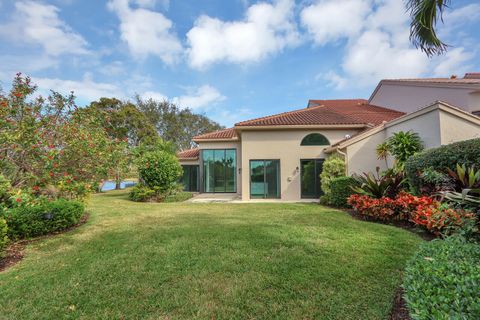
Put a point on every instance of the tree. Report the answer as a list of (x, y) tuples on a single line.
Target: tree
[(424, 15), (175, 125), (123, 120), (48, 142), (383, 150)]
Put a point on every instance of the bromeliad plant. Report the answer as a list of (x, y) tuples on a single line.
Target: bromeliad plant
[(386, 184), (465, 178)]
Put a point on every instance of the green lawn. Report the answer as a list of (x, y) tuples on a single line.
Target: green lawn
[(209, 261)]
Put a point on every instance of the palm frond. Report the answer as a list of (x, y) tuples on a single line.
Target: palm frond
[(424, 15)]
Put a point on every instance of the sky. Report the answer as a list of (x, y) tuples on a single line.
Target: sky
[(231, 60)]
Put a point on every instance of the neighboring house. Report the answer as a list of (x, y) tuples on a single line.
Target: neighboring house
[(409, 95), (279, 156), (437, 124)]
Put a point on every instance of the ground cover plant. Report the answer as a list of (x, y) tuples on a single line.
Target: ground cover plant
[(203, 261), (442, 280)]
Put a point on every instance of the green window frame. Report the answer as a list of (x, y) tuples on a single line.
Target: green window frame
[(315, 139)]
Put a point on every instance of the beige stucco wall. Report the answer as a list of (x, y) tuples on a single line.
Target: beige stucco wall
[(454, 128), (435, 128), (227, 145), (410, 98), (474, 101), (285, 146), (361, 156)]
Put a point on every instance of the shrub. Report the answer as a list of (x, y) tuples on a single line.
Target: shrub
[(464, 152), (441, 219), (159, 170), (3, 235), (333, 167), (341, 189), (47, 217), (400, 208), (141, 193), (441, 281)]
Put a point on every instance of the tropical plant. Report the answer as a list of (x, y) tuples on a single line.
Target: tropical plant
[(388, 183), (424, 15), (402, 145), (465, 178), (383, 150)]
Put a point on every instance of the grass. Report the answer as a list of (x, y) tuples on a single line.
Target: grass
[(209, 261)]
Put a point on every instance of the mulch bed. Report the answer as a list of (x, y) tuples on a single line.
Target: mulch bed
[(14, 252), (399, 309)]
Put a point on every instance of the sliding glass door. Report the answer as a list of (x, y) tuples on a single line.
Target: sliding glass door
[(310, 170), (190, 178), (219, 170), (264, 179)]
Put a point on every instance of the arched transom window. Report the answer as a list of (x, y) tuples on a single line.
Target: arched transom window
[(315, 139)]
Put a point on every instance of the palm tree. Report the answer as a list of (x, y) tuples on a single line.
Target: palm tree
[(383, 150), (424, 14)]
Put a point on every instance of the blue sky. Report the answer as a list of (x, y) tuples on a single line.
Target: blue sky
[(232, 60)]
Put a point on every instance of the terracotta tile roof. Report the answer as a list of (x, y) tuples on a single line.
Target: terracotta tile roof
[(335, 103), (189, 154), (468, 78), (329, 112), (227, 134)]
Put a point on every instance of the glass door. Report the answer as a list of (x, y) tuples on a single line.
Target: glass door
[(264, 179), (310, 170), (190, 178), (219, 170)]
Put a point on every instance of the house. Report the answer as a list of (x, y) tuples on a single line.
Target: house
[(279, 156), (409, 95), (437, 124)]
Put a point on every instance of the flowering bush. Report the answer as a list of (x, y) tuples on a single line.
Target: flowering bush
[(440, 219), (423, 211)]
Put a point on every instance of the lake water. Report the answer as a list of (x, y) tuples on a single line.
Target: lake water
[(110, 185)]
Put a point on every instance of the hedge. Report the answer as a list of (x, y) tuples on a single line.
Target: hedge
[(3, 235), (442, 281), (340, 190), (464, 152), (31, 221)]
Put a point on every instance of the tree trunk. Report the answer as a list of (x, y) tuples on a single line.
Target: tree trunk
[(118, 182)]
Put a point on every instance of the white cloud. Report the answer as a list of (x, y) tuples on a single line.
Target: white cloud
[(455, 62), (86, 89), (114, 68), (146, 32), (377, 47), (203, 97), (265, 30), (334, 80), (331, 20), (157, 96), (38, 23)]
